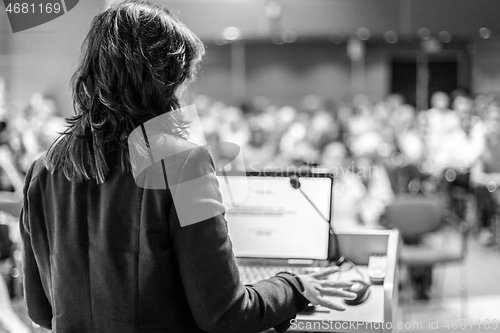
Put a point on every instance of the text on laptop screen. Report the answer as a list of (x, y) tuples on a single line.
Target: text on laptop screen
[(275, 220)]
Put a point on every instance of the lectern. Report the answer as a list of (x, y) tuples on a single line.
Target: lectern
[(378, 312)]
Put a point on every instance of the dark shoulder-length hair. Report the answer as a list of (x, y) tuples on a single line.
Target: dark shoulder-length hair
[(134, 58)]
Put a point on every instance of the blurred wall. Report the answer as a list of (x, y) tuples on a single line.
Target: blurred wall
[(486, 66), (285, 74), (254, 18), (214, 76), (43, 57), (4, 42)]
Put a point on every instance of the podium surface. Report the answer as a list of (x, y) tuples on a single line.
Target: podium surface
[(378, 312)]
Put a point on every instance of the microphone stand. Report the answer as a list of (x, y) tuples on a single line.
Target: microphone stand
[(295, 183)]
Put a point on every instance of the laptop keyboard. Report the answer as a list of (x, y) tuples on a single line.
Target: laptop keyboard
[(253, 274)]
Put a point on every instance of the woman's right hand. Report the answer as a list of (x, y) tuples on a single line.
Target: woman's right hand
[(317, 289)]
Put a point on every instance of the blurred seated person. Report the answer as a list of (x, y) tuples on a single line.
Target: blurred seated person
[(408, 135), (378, 192), (305, 153), (9, 186), (38, 126), (347, 190), (294, 145), (460, 149), (451, 150), (369, 150), (403, 164), (463, 105), (384, 119), (11, 179), (323, 128), (465, 143), (208, 118), (259, 152), (233, 126), (362, 119), (284, 117), (439, 125), (485, 175), (361, 191)]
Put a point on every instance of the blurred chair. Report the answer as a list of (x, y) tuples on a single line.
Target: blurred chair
[(10, 254), (459, 192), (417, 216), (11, 287), (11, 202)]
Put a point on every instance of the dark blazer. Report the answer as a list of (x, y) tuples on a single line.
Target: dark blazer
[(113, 257)]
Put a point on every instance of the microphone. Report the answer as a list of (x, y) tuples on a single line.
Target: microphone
[(295, 183)]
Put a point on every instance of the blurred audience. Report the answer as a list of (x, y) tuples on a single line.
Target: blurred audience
[(415, 150), (412, 151), (11, 185), (377, 149), (361, 191), (485, 175)]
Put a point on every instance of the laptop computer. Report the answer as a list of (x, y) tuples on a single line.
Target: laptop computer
[(278, 221)]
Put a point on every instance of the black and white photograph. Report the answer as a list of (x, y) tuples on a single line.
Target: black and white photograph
[(249, 166)]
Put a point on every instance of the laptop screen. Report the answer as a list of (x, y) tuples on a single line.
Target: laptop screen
[(272, 219)]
